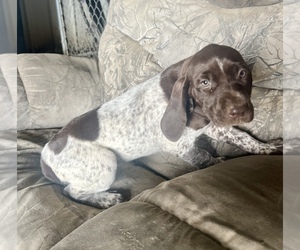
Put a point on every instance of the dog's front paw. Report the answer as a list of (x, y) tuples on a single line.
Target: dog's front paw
[(276, 146)]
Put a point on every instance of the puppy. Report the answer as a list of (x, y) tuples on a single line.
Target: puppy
[(208, 92)]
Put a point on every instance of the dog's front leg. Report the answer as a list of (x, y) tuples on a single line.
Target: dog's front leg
[(244, 141), (199, 157)]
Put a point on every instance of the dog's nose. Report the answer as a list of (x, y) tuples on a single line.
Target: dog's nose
[(235, 112)]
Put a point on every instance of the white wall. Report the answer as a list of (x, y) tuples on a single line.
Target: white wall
[(8, 26)]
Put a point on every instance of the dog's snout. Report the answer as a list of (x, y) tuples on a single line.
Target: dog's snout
[(235, 112)]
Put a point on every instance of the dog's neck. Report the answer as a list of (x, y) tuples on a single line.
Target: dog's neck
[(197, 119)]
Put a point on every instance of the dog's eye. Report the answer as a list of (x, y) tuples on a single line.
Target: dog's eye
[(242, 73), (205, 83)]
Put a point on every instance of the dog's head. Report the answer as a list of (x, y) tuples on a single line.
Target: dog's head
[(214, 85)]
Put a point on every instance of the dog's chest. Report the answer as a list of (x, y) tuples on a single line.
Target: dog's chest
[(130, 124)]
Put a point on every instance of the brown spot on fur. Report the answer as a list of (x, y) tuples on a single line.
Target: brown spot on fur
[(84, 127)]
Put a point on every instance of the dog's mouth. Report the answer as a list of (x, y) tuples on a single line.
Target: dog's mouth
[(222, 118)]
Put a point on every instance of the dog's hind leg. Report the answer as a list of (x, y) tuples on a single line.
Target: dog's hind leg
[(86, 169), (90, 182)]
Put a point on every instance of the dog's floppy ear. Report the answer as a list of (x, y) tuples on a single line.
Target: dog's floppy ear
[(174, 119)]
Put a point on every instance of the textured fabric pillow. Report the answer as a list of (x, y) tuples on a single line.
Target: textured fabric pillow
[(291, 44), (123, 62), (174, 30), (53, 89)]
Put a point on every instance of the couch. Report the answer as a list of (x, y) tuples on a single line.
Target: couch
[(236, 204)]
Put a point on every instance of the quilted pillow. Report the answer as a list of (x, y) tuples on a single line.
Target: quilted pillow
[(53, 89), (173, 30)]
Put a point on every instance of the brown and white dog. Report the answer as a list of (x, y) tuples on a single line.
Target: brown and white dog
[(208, 92)]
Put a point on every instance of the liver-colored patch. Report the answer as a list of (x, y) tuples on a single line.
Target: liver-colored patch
[(84, 127)]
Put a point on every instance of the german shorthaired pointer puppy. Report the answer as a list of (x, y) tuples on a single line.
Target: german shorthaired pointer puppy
[(208, 92)]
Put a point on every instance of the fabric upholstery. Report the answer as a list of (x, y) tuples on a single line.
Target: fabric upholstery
[(173, 30), (235, 201), (55, 84), (237, 206)]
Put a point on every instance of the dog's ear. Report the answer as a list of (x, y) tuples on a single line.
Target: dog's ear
[(174, 119)]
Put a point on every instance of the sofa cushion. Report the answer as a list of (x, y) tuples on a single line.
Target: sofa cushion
[(134, 226), (53, 89), (238, 203), (233, 205)]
